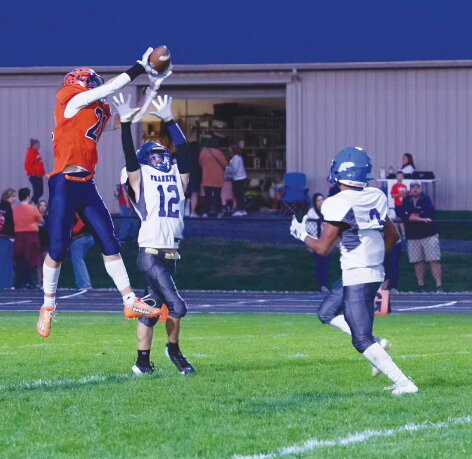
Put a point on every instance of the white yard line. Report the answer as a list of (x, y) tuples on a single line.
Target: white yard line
[(53, 383), (451, 303), (15, 302), (81, 292), (359, 437)]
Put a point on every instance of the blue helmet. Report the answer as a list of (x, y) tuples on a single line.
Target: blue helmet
[(351, 166), (155, 155)]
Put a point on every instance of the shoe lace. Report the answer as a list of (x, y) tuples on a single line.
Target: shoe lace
[(149, 301)]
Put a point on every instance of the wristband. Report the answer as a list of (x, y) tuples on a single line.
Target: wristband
[(135, 71)]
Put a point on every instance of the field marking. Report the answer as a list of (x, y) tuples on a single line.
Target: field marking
[(359, 437), (451, 303), (81, 292), (53, 383), (15, 302)]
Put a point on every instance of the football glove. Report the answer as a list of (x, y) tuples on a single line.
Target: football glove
[(298, 229), (163, 108), (144, 61), (123, 108), (156, 80)]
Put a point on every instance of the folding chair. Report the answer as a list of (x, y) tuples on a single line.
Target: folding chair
[(295, 199)]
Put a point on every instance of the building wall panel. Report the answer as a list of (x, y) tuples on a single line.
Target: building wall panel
[(426, 112)]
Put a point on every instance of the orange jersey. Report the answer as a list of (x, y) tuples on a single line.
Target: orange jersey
[(75, 139)]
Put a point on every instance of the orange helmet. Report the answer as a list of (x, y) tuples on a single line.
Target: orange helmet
[(85, 77)]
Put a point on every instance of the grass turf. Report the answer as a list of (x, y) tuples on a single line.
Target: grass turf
[(264, 382)]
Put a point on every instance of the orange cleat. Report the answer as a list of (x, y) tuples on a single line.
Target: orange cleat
[(141, 309), (46, 314), (164, 313)]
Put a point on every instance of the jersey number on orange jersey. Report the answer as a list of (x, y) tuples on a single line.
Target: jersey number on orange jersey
[(96, 130)]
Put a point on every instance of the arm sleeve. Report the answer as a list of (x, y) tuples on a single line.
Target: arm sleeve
[(175, 132), (131, 159), (85, 98), (183, 150)]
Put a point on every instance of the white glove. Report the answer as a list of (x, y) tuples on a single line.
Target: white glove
[(124, 110), (164, 108), (156, 80), (298, 229), (144, 61)]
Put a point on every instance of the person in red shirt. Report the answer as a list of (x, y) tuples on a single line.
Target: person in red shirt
[(81, 114), (398, 192), (35, 170)]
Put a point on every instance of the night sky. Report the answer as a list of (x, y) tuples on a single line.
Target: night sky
[(61, 33)]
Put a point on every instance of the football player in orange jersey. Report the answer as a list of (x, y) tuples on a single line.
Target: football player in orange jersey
[(81, 115)]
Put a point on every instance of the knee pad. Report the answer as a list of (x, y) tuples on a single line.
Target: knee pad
[(57, 250), (178, 309), (111, 246), (361, 343)]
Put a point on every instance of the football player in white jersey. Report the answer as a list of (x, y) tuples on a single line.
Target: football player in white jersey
[(156, 186), (358, 216)]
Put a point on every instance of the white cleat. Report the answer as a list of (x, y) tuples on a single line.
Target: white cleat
[(405, 387), (385, 345)]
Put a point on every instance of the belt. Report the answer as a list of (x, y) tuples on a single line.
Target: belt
[(167, 255), (78, 179)]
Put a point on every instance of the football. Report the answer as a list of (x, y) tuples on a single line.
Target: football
[(159, 59)]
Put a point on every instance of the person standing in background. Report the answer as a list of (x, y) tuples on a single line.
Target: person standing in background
[(82, 242), (238, 173), (27, 249), (408, 165), (7, 238), (422, 236), (195, 181), (129, 222), (43, 236), (35, 170), (213, 163), (314, 227)]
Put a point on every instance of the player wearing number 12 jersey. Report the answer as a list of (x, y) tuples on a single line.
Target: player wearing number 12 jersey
[(357, 215), (81, 115), (156, 186)]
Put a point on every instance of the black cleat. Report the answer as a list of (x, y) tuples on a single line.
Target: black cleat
[(179, 360), (140, 370)]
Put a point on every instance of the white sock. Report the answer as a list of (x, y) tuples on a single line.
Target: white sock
[(50, 280), (340, 323), (378, 357), (117, 271), (129, 299)]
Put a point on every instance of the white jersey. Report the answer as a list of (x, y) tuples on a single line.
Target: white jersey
[(362, 244), (160, 207)]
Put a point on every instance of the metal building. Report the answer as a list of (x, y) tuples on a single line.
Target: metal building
[(424, 108)]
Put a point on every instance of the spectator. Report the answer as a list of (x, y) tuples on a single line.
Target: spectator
[(408, 166), (7, 238), (392, 260), (27, 249), (129, 223), (314, 226), (227, 197), (213, 163), (399, 191), (238, 173), (82, 242), (195, 180), (43, 236), (34, 167), (422, 235)]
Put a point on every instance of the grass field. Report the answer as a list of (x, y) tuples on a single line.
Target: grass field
[(264, 383)]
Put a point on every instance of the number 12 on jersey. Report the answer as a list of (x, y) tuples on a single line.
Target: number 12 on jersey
[(173, 191)]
